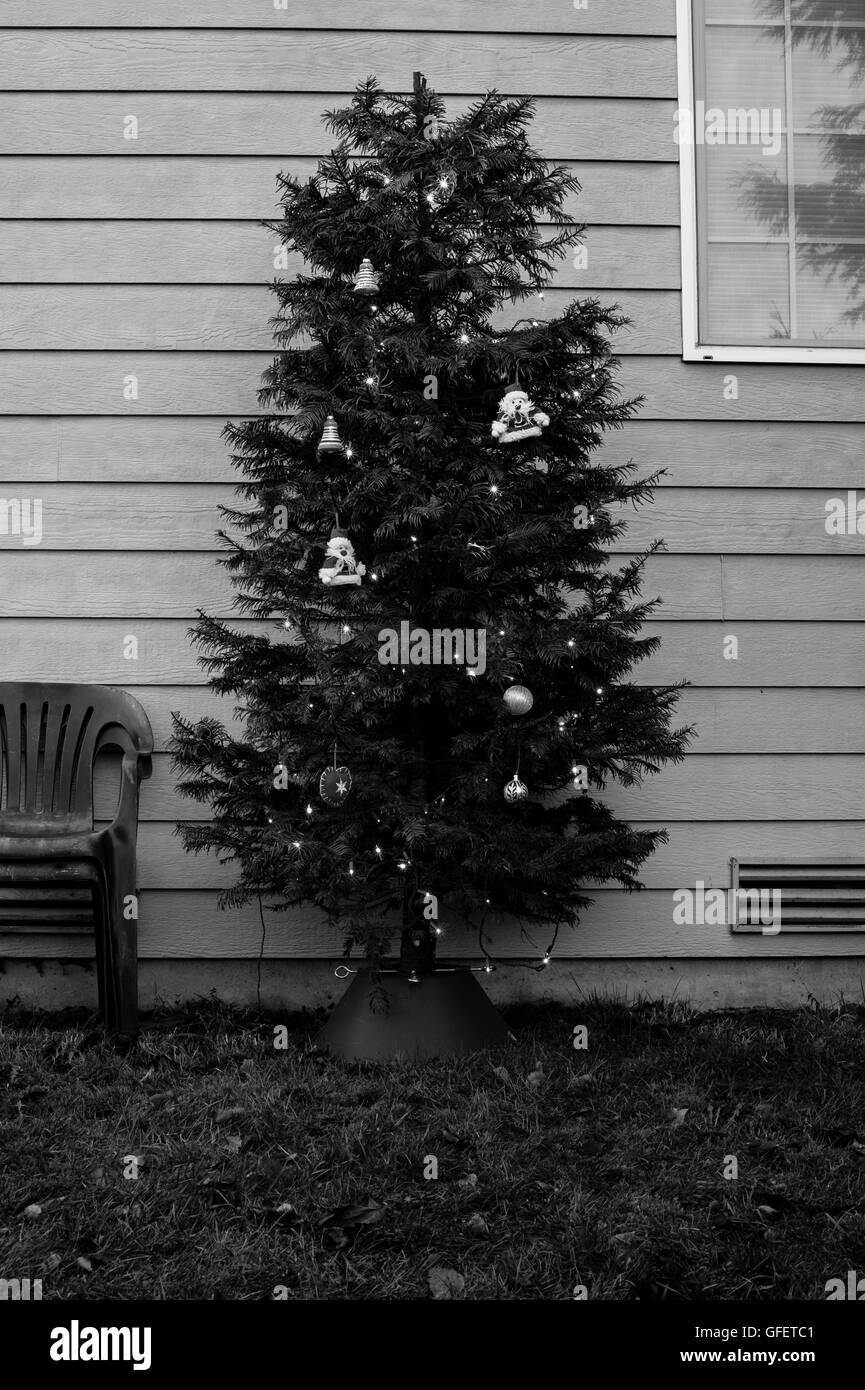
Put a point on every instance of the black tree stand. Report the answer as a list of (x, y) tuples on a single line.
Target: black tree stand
[(415, 1012)]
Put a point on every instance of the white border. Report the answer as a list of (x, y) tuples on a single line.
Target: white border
[(692, 349)]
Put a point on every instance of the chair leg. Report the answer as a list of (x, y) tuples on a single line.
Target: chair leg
[(102, 952), (122, 942)]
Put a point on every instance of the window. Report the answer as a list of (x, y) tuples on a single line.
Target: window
[(771, 130)]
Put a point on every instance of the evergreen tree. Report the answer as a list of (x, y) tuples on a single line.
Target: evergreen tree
[(498, 537)]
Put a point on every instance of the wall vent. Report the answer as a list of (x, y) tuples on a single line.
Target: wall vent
[(815, 897)]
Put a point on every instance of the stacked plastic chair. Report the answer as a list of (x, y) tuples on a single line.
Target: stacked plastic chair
[(58, 871)]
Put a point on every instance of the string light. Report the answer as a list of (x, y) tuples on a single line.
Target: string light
[(378, 850), (296, 844), (349, 453), (464, 337), (545, 960), (308, 809), (494, 488), (387, 180), (287, 624)]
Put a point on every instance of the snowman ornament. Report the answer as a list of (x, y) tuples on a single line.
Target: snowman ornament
[(518, 418), (340, 566)]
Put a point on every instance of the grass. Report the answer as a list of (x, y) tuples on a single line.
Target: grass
[(264, 1169)]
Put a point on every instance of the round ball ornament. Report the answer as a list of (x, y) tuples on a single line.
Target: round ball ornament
[(334, 785), (518, 699), (515, 790)]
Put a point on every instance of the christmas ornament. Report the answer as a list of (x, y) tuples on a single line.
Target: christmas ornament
[(518, 418), (334, 785), (366, 280), (518, 699), (515, 790), (330, 442), (340, 566)]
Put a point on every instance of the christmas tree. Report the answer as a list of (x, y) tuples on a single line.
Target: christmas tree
[(437, 686)]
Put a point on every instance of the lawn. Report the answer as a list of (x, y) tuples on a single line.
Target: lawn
[(269, 1172)]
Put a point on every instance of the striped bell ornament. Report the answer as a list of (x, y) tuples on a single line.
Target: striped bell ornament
[(366, 280), (330, 442)]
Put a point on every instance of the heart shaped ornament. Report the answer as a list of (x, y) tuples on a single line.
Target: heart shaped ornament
[(334, 785)]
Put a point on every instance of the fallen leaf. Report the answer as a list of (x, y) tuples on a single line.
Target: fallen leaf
[(536, 1078), (677, 1116), (445, 1283), (52, 1261), (469, 1182), (502, 1073), (361, 1214), (234, 1112), (477, 1225), (234, 1143), (85, 1263), (160, 1097), (32, 1211), (282, 1212)]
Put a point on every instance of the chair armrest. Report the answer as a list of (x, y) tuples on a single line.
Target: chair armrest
[(134, 768)]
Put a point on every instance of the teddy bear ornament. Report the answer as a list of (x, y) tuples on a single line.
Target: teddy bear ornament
[(518, 418), (340, 566)]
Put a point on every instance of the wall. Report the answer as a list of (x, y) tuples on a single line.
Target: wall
[(143, 258)]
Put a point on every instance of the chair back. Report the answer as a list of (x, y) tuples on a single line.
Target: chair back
[(50, 736)]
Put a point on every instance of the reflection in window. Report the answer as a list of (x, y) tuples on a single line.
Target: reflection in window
[(779, 125)]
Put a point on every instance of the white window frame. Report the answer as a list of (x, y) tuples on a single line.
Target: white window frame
[(692, 349)]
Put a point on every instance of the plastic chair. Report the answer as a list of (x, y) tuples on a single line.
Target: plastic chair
[(51, 855)]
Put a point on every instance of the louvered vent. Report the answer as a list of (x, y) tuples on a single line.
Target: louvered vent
[(814, 897)]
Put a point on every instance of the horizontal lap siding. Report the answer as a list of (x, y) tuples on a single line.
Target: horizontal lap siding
[(146, 257)]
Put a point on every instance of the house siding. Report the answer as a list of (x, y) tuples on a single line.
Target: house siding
[(144, 258)]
